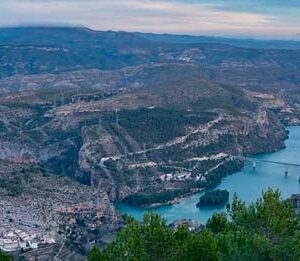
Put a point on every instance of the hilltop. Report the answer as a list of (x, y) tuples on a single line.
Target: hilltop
[(34, 57), (130, 118), (169, 136), (106, 108)]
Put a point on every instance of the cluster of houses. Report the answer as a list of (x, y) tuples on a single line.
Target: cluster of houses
[(18, 240)]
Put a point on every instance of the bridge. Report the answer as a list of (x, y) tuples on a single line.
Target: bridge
[(266, 161), (255, 161)]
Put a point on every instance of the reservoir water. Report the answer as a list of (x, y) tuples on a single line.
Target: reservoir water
[(248, 184)]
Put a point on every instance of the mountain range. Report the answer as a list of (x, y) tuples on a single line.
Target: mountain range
[(140, 118)]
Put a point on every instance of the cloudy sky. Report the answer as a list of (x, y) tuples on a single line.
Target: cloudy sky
[(240, 18)]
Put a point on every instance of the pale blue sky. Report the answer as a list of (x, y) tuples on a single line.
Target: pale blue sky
[(240, 18)]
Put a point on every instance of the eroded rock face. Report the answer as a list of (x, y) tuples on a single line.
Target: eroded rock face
[(188, 159), (71, 139), (62, 127), (182, 141), (265, 134)]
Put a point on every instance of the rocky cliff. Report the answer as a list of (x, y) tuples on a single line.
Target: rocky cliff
[(89, 117), (179, 135)]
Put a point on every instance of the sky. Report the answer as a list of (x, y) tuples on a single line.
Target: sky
[(275, 19)]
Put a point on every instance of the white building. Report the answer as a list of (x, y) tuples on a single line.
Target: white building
[(23, 244), (15, 241), (33, 244), (49, 239), (10, 243)]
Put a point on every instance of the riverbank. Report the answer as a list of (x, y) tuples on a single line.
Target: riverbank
[(248, 184), (176, 200), (209, 180)]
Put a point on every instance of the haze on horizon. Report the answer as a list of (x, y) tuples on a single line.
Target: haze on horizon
[(273, 19)]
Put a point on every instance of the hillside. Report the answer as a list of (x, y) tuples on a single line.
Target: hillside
[(36, 57), (106, 108), (91, 118), (165, 137), (55, 49)]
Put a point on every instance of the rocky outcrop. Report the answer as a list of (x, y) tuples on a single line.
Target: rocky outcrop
[(125, 169), (133, 118), (140, 150)]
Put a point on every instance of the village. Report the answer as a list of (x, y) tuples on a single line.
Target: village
[(18, 240)]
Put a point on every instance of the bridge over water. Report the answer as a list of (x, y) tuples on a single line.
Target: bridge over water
[(266, 161), (255, 161)]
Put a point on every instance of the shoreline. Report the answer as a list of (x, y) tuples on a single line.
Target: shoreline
[(175, 201), (194, 191)]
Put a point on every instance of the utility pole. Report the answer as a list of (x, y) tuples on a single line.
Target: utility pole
[(20, 127), (54, 102), (117, 117), (100, 121), (254, 165), (62, 99), (144, 148), (125, 158)]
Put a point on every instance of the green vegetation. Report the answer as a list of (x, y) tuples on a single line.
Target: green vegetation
[(5, 257), (266, 230), (159, 125), (214, 198), (160, 197), (215, 177)]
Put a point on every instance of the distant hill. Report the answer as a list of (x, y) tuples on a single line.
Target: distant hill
[(245, 43), (33, 50), (42, 57)]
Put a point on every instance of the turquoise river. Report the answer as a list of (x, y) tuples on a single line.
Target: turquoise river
[(248, 184)]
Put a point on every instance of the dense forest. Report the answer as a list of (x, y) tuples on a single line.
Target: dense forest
[(214, 198), (164, 124), (266, 230)]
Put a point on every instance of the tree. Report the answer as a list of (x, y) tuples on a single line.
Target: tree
[(266, 230), (96, 255), (218, 223), (5, 257)]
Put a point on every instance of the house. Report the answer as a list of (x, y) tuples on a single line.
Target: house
[(23, 245), (10, 243), (49, 239), (33, 244)]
